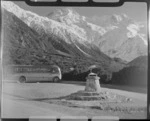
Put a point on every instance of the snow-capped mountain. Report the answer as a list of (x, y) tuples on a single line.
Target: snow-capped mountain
[(118, 36)]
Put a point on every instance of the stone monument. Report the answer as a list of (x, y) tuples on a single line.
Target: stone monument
[(92, 83), (92, 89), (94, 92)]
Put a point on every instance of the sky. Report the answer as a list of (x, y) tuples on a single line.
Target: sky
[(137, 11)]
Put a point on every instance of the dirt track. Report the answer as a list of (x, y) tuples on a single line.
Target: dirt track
[(25, 100)]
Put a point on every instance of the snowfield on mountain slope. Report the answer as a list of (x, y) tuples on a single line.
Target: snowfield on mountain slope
[(70, 26), (42, 99)]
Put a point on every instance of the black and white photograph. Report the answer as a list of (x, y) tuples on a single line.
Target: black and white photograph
[(75, 61)]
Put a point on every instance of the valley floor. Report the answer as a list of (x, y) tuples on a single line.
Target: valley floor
[(40, 99)]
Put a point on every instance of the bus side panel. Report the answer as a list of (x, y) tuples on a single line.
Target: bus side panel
[(49, 76), (34, 77)]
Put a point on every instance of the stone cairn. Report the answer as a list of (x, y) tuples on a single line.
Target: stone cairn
[(92, 90), (92, 83)]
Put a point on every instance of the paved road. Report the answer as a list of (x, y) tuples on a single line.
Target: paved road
[(24, 100)]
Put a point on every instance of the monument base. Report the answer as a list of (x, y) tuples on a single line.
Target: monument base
[(94, 96), (88, 96)]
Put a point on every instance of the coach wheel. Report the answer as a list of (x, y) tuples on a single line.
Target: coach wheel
[(55, 79), (22, 79)]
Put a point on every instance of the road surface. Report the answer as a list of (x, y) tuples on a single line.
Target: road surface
[(25, 100)]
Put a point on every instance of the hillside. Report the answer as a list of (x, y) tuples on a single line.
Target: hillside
[(141, 61), (134, 74)]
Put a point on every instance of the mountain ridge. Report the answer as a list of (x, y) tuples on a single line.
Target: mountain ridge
[(74, 28), (23, 45)]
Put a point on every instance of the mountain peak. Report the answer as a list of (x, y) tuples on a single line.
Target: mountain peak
[(63, 12), (118, 18), (124, 15), (69, 10), (67, 15)]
